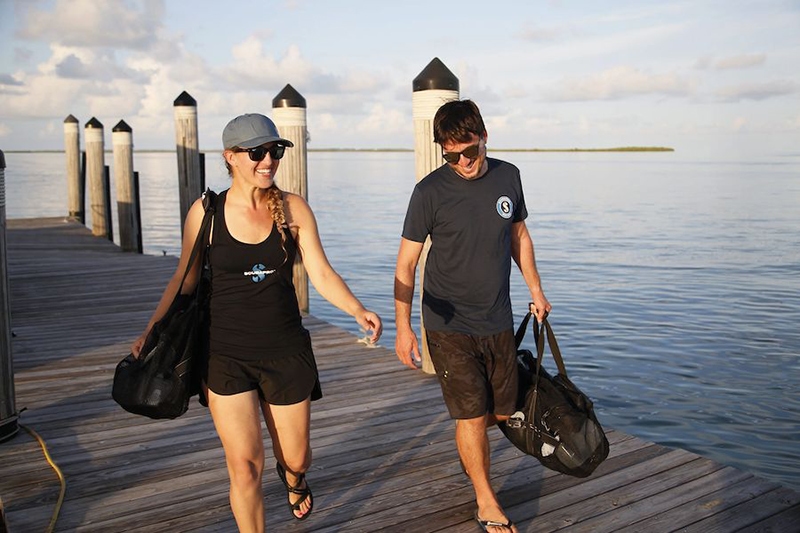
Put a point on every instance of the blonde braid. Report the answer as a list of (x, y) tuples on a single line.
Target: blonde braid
[(275, 205)]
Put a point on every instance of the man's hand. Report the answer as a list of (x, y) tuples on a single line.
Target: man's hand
[(540, 307), (407, 347)]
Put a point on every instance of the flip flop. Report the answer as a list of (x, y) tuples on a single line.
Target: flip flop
[(305, 493), (485, 524)]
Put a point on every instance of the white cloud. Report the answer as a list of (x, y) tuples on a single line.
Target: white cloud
[(619, 82), (757, 90), (738, 123), (540, 34), (383, 121), (254, 68), (106, 23), (8, 79), (740, 61)]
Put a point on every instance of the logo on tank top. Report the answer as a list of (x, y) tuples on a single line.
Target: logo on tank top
[(505, 207), (258, 273)]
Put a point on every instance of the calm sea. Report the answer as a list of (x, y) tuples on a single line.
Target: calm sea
[(675, 282)]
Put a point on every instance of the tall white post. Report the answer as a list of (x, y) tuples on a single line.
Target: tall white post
[(289, 114), (434, 86)]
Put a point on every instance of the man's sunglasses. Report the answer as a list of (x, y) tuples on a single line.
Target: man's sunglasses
[(470, 152), (260, 152)]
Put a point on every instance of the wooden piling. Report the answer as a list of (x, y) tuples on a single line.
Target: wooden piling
[(289, 114), (75, 185), (434, 86), (190, 175), (8, 412), (95, 173), (130, 227)]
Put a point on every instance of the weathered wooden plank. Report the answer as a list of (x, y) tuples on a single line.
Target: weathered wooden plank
[(751, 510), (637, 511), (785, 521)]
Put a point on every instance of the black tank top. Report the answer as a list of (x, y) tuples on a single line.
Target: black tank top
[(253, 311)]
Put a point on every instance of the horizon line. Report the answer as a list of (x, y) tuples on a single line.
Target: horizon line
[(611, 149)]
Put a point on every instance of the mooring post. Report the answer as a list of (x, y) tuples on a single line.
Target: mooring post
[(130, 227), (9, 425), (190, 175), (96, 175), (434, 86), (75, 185), (289, 113)]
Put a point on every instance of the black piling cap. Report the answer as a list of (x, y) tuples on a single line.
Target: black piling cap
[(2, 160), (122, 126), (185, 100), (94, 123), (70, 120), (289, 97), (435, 76)]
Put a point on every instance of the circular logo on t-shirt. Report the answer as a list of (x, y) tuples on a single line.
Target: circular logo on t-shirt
[(505, 207), (258, 273)]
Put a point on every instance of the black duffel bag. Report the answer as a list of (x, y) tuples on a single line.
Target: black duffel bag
[(159, 383), (555, 422)]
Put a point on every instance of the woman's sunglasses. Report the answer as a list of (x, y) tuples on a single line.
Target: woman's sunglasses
[(260, 152), (470, 152)]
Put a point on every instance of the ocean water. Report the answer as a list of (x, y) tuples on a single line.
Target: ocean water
[(675, 282)]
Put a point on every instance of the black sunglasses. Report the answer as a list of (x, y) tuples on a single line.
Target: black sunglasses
[(260, 152), (470, 152)]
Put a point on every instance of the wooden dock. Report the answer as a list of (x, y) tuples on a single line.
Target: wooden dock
[(384, 456)]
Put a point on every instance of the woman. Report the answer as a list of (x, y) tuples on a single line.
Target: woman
[(260, 357)]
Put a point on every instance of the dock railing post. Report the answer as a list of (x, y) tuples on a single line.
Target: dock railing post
[(190, 175), (9, 425), (75, 185), (289, 113), (434, 86), (95, 175), (130, 227)]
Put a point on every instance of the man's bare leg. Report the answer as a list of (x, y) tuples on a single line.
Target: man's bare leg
[(473, 448)]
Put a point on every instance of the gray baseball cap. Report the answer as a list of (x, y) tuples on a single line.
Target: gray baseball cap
[(251, 130)]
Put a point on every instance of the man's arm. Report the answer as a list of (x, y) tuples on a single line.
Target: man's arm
[(524, 257), (406, 343)]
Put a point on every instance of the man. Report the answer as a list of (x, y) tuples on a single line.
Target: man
[(473, 209)]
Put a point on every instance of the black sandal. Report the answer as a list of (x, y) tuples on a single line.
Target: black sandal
[(485, 524), (305, 492)]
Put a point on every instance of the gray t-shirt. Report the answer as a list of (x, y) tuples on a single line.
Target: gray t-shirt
[(466, 282)]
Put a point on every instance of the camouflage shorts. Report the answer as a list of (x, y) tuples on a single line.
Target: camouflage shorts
[(478, 374)]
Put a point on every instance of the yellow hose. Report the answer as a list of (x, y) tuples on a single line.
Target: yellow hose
[(50, 461)]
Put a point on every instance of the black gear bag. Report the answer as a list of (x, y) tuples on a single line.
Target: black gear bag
[(159, 383), (555, 421)]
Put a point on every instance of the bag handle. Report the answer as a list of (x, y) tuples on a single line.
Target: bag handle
[(539, 339), (209, 205), (551, 340)]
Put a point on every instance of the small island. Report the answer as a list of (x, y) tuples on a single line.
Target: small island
[(617, 149)]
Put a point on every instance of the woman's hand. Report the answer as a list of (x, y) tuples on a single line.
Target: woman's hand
[(136, 347), (370, 322)]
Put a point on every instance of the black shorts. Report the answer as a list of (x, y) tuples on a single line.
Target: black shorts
[(478, 374), (278, 380)]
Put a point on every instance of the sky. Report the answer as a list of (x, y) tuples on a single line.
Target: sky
[(706, 77)]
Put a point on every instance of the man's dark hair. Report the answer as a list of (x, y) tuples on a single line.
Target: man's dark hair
[(457, 121)]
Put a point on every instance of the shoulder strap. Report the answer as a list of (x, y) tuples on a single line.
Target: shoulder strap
[(209, 205)]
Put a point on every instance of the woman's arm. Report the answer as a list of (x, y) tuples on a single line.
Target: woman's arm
[(325, 279), (191, 227)]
